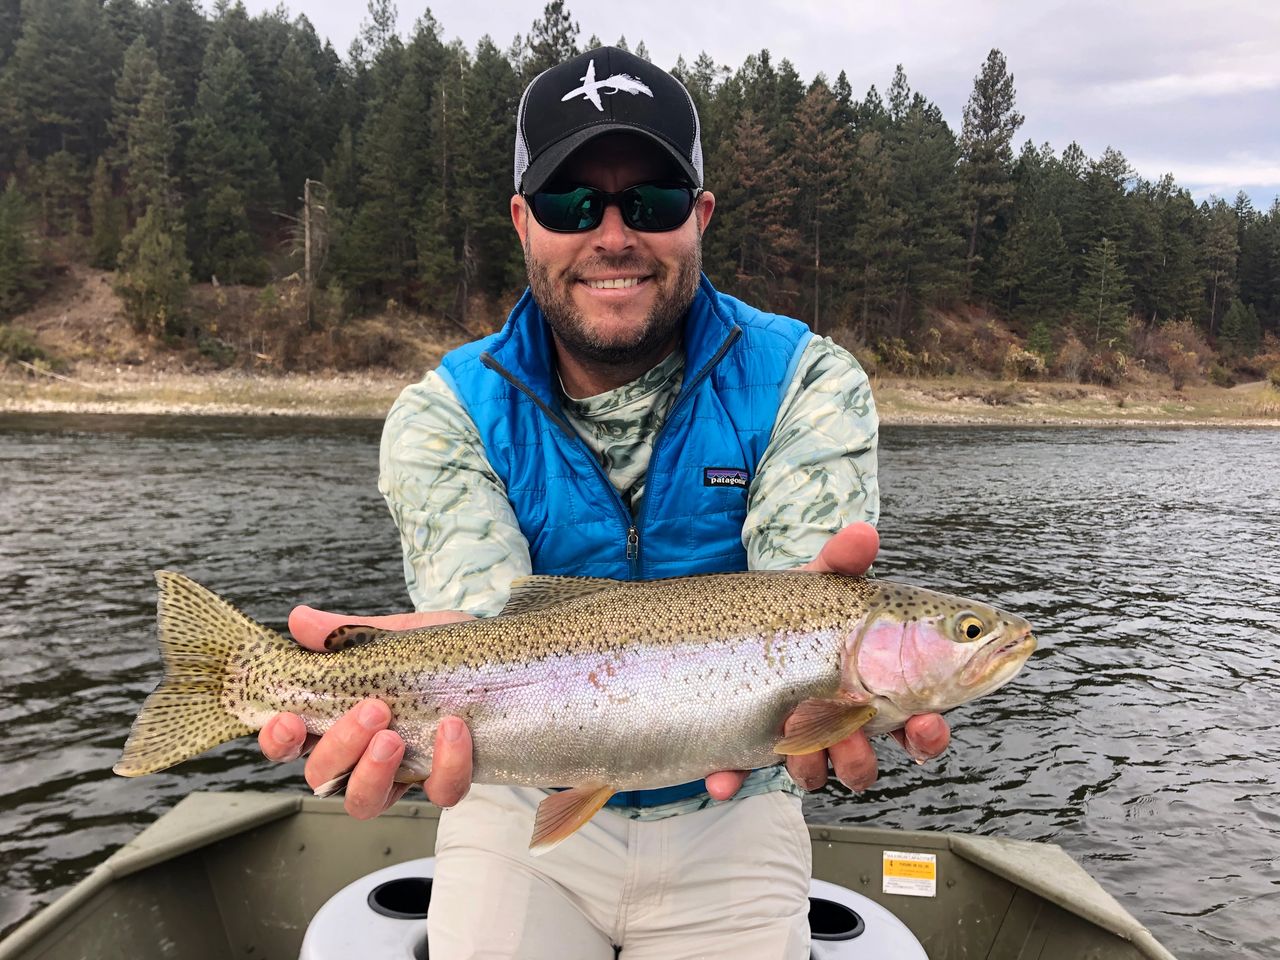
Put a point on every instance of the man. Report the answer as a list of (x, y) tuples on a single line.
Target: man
[(628, 421)]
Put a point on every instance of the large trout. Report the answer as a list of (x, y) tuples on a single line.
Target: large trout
[(596, 685)]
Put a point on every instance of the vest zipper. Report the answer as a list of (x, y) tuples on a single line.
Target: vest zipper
[(686, 391), (628, 522), (632, 524)]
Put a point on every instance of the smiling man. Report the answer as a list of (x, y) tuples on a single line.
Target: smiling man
[(628, 421)]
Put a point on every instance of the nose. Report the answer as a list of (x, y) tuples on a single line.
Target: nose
[(612, 235)]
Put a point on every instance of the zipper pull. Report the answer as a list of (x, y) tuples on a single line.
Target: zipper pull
[(633, 543)]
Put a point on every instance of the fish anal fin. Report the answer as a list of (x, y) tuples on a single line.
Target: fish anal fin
[(354, 635), (562, 813), (817, 723), (331, 788), (535, 593), (413, 769)]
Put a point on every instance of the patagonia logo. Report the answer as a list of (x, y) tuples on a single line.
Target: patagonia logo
[(724, 477)]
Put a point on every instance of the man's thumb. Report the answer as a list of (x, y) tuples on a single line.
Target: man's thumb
[(310, 626)]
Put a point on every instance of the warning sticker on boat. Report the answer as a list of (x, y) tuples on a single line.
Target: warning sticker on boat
[(911, 874)]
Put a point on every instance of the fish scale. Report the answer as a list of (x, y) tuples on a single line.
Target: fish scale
[(594, 685)]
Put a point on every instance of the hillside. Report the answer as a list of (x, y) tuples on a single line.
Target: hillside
[(252, 355)]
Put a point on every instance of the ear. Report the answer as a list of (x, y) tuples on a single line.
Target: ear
[(520, 217), (703, 208)]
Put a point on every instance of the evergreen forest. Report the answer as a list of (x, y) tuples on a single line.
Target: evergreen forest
[(178, 146)]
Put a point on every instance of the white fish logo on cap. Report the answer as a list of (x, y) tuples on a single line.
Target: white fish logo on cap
[(617, 83)]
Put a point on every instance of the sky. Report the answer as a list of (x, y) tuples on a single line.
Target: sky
[(1188, 87)]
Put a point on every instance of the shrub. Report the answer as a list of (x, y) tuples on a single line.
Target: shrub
[(1072, 359), (1019, 363), (17, 343), (1220, 376), (1273, 377), (1107, 367)]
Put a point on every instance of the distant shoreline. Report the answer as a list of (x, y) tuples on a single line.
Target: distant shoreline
[(369, 395)]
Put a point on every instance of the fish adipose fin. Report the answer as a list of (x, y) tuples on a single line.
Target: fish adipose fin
[(818, 723), (561, 814), (534, 593), (202, 639)]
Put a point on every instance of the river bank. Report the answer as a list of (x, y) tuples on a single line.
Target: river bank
[(369, 394)]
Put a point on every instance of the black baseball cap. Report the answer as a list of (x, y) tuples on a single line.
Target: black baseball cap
[(605, 90)]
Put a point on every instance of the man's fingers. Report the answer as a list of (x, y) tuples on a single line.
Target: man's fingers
[(809, 770), (726, 783), (284, 738), (450, 763), (854, 762), (850, 552), (924, 736), (372, 787), (342, 746), (310, 626)]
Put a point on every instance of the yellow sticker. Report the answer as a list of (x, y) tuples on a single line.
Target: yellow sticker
[(910, 874)]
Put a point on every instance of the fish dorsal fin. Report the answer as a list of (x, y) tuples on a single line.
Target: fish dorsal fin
[(537, 593)]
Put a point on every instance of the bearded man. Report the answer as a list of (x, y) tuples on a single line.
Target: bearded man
[(628, 421)]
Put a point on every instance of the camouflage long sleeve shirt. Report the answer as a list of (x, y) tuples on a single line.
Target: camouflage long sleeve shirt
[(463, 545)]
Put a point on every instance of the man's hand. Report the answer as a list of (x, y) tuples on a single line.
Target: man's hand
[(359, 741), (849, 552)]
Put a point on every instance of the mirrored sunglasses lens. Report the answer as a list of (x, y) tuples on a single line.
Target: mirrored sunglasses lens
[(577, 209), (652, 206)]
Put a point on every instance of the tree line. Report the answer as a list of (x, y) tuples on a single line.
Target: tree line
[(176, 146)]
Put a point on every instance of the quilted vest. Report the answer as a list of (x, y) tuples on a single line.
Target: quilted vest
[(739, 362)]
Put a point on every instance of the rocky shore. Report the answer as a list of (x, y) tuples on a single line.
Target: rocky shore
[(100, 389)]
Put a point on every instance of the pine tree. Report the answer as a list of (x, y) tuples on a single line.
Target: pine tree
[(552, 39), (228, 158), (990, 122), (135, 76), (154, 274), (10, 28), (819, 165), (1241, 332), (150, 144), (107, 216), (19, 263), (59, 79), (1104, 299), (1219, 256)]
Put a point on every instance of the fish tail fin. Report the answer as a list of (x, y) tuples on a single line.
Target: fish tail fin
[(202, 639)]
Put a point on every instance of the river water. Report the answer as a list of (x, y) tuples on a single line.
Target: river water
[(1142, 737)]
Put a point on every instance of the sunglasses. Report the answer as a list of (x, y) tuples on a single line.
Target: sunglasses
[(648, 207)]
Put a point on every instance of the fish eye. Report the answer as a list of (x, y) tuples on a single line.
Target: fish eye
[(970, 627)]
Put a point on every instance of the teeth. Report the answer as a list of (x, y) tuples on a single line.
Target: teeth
[(618, 284)]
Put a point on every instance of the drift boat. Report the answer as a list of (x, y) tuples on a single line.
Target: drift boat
[(268, 875)]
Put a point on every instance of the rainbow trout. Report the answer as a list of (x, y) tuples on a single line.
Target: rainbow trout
[(595, 685)]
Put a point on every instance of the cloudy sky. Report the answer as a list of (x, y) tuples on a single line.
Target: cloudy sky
[(1188, 87)]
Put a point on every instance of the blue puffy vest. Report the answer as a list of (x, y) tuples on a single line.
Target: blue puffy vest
[(739, 362)]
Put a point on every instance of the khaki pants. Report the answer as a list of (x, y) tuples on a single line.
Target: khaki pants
[(731, 881)]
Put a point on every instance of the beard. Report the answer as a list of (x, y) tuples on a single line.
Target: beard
[(676, 289)]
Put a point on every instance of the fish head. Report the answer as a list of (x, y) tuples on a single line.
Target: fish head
[(927, 652)]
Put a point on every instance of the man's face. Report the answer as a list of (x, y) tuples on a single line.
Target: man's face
[(574, 276)]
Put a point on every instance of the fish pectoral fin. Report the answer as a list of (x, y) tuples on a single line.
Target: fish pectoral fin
[(818, 723), (561, 814)]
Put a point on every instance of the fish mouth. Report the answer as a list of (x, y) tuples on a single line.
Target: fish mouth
[(999, 659)]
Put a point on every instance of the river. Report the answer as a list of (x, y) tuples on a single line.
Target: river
[(1142, 737)]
